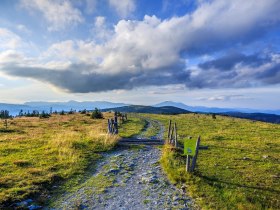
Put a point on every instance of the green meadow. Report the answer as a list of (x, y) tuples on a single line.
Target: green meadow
[(241, 168)]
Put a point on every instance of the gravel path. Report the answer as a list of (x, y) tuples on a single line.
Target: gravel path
[(128, 179)]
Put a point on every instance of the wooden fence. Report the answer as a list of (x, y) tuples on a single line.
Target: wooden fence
[(113, 123), (172, 139)]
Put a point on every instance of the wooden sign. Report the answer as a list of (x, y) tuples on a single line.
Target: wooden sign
[(190, 147)]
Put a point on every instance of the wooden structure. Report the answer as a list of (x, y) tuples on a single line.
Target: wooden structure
[(172, 137), (190, 165), (113, 123)]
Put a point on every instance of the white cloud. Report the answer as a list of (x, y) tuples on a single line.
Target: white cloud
[(123, 7), (59, 14), (99, 21), (153, 51), (9, 40)]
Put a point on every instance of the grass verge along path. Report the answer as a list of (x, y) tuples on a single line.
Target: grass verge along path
[(240, 170), (35, 153)]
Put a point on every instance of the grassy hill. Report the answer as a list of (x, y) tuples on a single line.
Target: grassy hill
[(240, 170), (149, 109), (272, 118)]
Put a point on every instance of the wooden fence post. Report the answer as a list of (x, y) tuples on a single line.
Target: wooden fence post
[(112, 126), (116, 125), (188, 161), (175, 133), (196, 154), (169, 127), (171, 135)]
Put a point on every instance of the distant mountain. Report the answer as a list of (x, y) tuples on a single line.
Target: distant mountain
[(74, 105), (149, 109), (14, 109), (214, 109)]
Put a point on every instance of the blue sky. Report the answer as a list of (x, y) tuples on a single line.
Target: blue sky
[(201, 52)]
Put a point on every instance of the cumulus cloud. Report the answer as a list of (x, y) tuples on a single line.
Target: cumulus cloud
[(82, 78), (242, 71), (59, 14), (124, 7), (154, 51), (229, 61)]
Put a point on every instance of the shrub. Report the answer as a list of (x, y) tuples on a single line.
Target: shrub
[(96, 114)]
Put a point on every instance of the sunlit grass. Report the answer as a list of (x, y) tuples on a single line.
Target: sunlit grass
[(132, 127), (38, 152), (240, 170)]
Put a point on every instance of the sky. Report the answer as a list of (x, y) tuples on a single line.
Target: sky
[(219, 53)]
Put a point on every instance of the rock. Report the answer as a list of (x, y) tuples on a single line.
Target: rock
[(246, 158), (24, 203), (113, 171), (34, 207), (175, 198), (150, 179), (265, 156)]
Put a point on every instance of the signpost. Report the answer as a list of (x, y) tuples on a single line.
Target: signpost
[(191, 147)]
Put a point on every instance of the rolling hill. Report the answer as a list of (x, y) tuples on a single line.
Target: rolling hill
[(149, 109)]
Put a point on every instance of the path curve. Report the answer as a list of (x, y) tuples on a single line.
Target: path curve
[(128, 179)]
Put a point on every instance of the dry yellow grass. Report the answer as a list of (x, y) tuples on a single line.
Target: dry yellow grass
[(35, 152)]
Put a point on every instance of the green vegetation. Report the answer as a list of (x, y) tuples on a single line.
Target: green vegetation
[(36, 153), (240, 170), (132, 127), (96, 114), (154, 128)]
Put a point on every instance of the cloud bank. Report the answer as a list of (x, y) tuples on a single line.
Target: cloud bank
[(155, 52)]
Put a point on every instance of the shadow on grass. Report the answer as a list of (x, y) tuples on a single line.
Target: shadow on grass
[(10, 131), (212, 180)]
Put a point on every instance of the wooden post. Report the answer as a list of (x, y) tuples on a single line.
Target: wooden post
[(188, 161), (171, 135), (175, 137), (116, 125), (169, 127), (196, 154), (112, 126)]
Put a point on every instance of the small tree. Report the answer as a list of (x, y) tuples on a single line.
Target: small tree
[(213, 116), (62, 112), (71, 111), (96, 114), (44, 115), (83, 111)]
